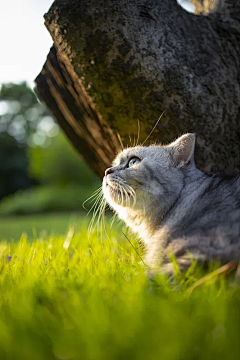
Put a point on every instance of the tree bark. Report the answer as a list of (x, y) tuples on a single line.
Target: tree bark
[(133, 60), (60, 88)]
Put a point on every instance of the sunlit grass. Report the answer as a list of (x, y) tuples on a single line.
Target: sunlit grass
[(74, 297), (38, 225)]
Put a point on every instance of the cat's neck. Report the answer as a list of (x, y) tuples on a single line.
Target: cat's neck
[(140, 222), (145, 222)]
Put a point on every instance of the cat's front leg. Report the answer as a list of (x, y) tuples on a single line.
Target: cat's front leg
[(172, 258), (170, 268), (154, 256)]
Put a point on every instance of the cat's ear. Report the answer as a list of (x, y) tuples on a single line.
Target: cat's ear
[(182, 150)]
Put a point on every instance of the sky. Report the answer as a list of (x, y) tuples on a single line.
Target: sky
[(24, 40)]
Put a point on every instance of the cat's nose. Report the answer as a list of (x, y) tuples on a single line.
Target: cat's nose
[(108, 171)]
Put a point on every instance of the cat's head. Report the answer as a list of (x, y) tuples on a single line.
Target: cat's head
[(145, 176)]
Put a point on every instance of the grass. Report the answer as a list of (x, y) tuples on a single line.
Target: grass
[(73, 297), (37, 225)]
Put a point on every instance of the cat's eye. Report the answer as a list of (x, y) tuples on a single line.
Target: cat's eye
[(133, 161)]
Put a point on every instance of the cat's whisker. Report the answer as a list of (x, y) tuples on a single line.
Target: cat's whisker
[(96, 226), (97, 200), (153, 128), (130, 194), (112, 219), (119, 191), (130, 189), (120, 140), (126, 196), (122, 199), (103, 225), (94, 194), (94, 216), (130, 140), (95, 197), (128, 199), (101, 212), (96, 208), (104, 222), (138, 132), (134, 144), (120, 195)]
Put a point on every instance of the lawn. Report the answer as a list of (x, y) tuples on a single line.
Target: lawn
[(72, 297), (39, 225)]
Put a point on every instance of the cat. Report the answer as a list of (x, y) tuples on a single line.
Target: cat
[(176, 209)]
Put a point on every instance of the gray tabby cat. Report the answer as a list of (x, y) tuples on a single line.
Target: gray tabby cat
[(174, 207)]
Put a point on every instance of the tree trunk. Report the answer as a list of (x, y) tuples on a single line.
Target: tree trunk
[(59, 87), (134, 60)]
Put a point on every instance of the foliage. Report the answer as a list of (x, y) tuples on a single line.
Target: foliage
[(32, 151), (23, 122), (77, 298), (13, 166), (46, 199), (59, 164), (23, 117), (69, 181)]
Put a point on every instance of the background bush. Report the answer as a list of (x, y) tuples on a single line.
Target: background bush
[(60, 164), (37, 163), (13, 166)]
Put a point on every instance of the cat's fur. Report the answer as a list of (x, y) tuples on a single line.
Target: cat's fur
[(174, 207)]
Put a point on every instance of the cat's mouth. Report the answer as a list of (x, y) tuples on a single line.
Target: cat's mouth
[(120, 194), (114, 189)]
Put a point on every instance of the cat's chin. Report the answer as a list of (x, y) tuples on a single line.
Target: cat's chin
[(115, 197)]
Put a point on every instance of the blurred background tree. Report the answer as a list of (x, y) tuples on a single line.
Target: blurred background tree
[(21, 115), (13, 166), (37, 163)]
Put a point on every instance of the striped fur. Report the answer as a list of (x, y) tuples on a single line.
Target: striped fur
[(174, 207)]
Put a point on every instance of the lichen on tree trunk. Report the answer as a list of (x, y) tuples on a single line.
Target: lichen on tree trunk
[(58, 85), (136, 59)]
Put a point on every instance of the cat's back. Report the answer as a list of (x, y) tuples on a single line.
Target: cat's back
[(225, 190), (211, 223), (212, 199), (218, 201)]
